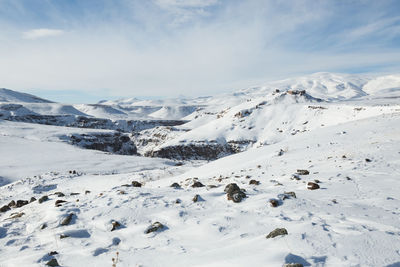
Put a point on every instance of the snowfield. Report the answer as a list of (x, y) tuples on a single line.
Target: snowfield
[(340, 137)]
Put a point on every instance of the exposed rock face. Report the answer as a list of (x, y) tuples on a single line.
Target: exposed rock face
[(85, 122), (277, 232), (116, 142), (200, 150)]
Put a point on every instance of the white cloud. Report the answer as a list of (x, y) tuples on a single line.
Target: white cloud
[(41, 33)]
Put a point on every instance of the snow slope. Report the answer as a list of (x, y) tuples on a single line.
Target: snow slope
[(7, 95), (351, 221), (345, 130)]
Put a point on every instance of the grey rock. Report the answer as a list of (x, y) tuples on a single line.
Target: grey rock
[(277, 232), (312, 186), (254, 182), (136, 184), (236, 196), (43, 199), (197, 184), (154, 227), (5, 208), (230, 188), (115, 225), (21, 203), (175, 185), (67, 220), (303, 172), (52, 262)]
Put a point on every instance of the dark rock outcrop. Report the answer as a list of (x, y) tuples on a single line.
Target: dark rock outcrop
[(114, 142)]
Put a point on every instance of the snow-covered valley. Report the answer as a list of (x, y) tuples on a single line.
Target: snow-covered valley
[(317, 155)]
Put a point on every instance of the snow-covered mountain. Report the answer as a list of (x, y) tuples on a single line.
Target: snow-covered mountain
[(7, 95), (314, 161)]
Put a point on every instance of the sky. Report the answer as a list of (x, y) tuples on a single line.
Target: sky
[(88, 50)]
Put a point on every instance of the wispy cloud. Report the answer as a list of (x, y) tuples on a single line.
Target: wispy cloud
[(41, 33), (192, 47)]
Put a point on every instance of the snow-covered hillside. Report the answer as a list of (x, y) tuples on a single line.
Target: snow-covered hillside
[(7, 95), (315, 161)]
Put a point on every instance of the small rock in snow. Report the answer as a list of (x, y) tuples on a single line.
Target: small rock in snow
[(43, 199), (115, 225), (5, 208), (197, 184), (254, 182), (67, 219), (303, 172), (52, 262), (274, 203), (154, 227), (59, 202), (236, 196), (196, 198), (230, 188), (21, 203), (136, 184), (277, 232), (293, 265), (312, 186), (175, 185)]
